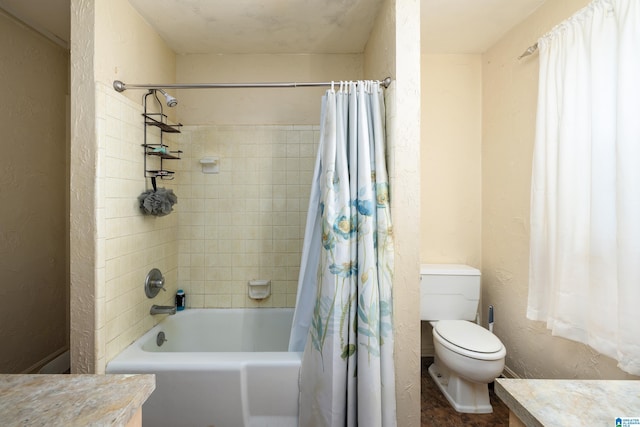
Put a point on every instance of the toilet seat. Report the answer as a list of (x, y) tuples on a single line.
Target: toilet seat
[(469, 339)]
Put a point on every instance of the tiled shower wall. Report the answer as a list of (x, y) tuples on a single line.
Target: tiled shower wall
[(247, 221), (129, 244)]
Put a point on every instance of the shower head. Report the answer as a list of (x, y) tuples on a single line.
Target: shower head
[(171, 101)]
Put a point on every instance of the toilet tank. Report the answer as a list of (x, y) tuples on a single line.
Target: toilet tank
[(449, 292)]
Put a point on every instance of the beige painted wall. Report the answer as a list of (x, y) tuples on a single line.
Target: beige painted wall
[(393, 49), (299, 106), (509, 109), (450, 173), (33, 254), (109, 40), (128, 49), (450, 152)]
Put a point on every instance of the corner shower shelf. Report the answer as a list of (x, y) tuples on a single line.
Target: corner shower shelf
[(160, 173), (167, 155), (159, 149), (162, 123)]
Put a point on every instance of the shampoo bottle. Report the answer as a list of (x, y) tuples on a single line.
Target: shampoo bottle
[(181, 300)]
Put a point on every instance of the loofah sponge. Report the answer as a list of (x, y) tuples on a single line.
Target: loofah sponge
[(157, 202)]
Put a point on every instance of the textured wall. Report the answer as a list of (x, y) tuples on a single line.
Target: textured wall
[(450, 152), (128, 243), (128, 49), (394, 50), (509, 109), (109, 40), (82, 204), (33, 255), (450, 164)]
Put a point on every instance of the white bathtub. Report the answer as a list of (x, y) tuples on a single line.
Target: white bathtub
[(218, 367)]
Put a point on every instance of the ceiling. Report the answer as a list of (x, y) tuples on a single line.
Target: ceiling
[(259, 26), (469, 26), (48, 17), (294, 26)]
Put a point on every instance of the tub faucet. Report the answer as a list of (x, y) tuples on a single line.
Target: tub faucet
[(163, 309)]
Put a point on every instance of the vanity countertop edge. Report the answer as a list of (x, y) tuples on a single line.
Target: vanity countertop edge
[(72, 400), (538, 402)]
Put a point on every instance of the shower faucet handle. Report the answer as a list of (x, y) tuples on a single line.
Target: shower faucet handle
[(157, 283), (153, 283)]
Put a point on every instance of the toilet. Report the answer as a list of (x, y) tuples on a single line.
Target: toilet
[(467, 356)]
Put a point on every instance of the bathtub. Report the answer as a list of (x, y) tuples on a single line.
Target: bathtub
[(218, 367)]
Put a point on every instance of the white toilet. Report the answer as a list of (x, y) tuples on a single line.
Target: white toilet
[(467, 356)]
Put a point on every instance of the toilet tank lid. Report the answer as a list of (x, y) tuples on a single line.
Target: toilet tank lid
[(449, 270)]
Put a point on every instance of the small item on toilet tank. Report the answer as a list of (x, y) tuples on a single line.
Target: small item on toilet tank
[(181, 300)]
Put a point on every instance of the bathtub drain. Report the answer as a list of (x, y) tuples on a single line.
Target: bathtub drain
[(160, 339)]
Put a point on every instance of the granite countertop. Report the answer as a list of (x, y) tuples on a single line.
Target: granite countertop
[(570, 402), (72, 400)]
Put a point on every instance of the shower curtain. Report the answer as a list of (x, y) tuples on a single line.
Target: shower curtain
[(584, 276), (343, 313)]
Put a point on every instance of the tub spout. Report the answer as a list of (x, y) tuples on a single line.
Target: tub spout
[(163, 309)]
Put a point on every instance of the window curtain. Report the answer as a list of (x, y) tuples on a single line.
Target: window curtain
[(343, 317), (584, 278)]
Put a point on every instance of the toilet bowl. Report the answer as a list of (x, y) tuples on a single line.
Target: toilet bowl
[(467, 358)]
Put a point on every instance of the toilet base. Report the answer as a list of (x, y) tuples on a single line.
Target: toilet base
[(465, 396)]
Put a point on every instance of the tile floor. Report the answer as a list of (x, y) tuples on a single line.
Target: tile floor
[(437, 412)]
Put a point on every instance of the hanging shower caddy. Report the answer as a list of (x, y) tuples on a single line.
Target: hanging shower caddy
[(159, 149)]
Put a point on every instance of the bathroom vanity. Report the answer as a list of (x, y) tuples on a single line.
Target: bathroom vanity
[(535, 403), (74, 400)]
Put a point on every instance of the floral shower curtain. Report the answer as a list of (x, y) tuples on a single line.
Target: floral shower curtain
[(584, 276), (347, 374)]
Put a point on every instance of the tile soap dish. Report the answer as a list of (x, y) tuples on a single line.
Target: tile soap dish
[(210, 164), (259, 288)]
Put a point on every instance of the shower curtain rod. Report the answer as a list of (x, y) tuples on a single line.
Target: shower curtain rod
[(121, 86), (530, 50)]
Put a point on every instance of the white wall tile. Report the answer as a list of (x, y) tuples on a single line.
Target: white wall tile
[(132, 243), (246, 222)]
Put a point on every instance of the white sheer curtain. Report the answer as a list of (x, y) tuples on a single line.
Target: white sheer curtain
[(343, 317), (584, 278)]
